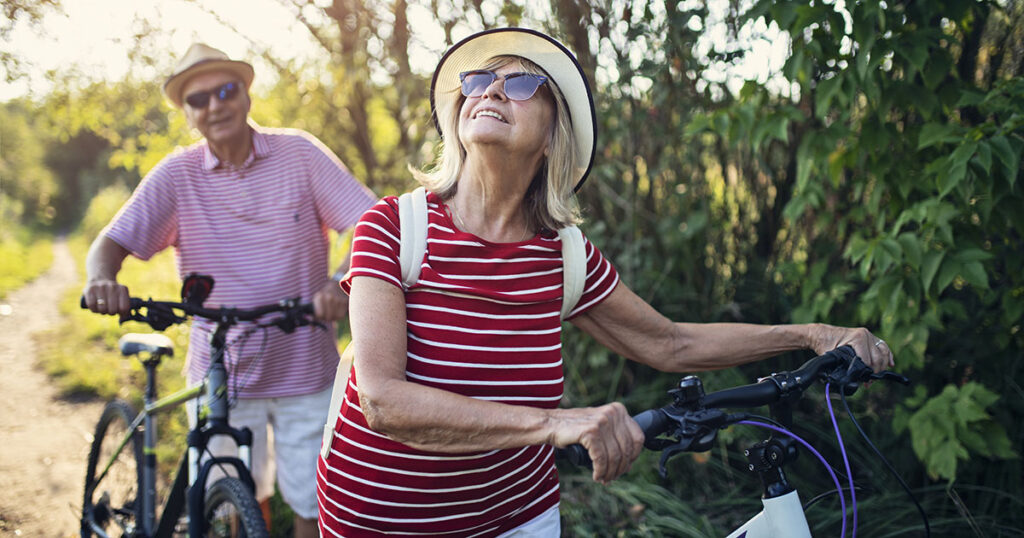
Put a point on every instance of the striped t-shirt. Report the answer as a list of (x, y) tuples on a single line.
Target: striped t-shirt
[(260, 230), (483, 321)]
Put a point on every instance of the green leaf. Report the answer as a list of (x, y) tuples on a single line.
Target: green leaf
[(1006, 155), (912, 251), (824, 93), (950, 177), (974, 272), (930, 267), (973, 255), (963, 153), (935, 133), (946, 275), (984, 157)]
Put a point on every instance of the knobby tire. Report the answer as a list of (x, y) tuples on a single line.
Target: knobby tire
[(113, 504), (232, 511)]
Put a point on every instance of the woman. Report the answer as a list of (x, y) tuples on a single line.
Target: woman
[(450, 412)]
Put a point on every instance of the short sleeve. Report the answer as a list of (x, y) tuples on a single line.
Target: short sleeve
[(148, 222), (375, 245), (601, 279), (340, 199)]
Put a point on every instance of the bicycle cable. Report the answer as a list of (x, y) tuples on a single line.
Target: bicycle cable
[(846, 459), (824, 462), (878, 453)]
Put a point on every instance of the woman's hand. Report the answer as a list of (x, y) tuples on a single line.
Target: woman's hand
[(871, 349), (612, 438)]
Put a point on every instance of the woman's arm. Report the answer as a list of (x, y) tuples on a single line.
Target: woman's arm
[(437, 420), (629, 326)]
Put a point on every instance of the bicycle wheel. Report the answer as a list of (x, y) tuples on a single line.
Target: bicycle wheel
[(232, 510), (111, 503)]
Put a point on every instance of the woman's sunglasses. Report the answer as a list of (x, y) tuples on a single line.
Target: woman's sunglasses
[(518, 86), (223, 93)]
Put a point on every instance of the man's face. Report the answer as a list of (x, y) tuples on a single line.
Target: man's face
[(221, 121)]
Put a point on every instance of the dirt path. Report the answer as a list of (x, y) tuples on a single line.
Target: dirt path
[(44, 438)]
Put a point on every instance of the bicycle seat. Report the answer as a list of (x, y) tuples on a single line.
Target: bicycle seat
[(155, 344)]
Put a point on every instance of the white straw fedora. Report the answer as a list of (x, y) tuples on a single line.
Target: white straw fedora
[(201, 58), (556, 60)]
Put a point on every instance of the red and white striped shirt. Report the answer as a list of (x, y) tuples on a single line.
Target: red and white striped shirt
[(260, 230), (483, 321)]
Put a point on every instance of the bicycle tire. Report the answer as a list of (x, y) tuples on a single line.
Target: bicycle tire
[(113, 504), (231, 510)]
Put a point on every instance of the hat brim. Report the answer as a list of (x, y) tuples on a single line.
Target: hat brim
[(174, 85), (556, 60)]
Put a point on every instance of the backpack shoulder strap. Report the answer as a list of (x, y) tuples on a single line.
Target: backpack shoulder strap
[(412, 216), (574, 267)]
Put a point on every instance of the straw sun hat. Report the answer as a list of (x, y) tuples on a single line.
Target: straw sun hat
[(558, 63), (202, 58)]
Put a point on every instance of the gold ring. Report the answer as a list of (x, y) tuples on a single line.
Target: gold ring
[(101, 301)]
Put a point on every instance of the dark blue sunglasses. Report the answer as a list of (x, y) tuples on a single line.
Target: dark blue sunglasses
[(223, 93), (518, 86)]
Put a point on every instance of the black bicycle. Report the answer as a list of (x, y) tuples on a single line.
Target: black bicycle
[(120, 482), (692, 421)]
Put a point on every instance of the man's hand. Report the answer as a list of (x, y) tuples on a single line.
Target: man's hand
[(106, 296), (330, 303)]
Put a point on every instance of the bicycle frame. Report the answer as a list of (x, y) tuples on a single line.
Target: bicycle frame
[(211, 419), (782, 516)]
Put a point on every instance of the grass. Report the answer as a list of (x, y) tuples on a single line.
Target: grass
[(24, 255)]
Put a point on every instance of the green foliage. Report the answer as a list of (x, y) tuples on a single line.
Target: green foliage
[(27, 186), (951, 426), (24, 255)]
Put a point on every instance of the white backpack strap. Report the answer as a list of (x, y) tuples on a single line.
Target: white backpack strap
[(574, 267), (412, 216), (337, 394)]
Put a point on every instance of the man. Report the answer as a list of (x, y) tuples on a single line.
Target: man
[(249, 206)]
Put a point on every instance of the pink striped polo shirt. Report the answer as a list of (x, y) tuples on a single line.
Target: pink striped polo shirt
[(483, 322), (260, 230)]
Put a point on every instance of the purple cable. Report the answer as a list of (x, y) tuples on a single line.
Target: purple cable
[(846, 461), (835, 480)]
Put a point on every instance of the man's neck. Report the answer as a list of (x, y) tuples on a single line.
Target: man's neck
[(234, 151)]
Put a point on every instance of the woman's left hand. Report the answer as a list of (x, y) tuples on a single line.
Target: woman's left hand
[(872, 350)]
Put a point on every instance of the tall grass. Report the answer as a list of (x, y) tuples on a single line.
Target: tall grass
[(24, 255)]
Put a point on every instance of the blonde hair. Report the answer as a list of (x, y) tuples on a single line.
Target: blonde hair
[(549, 201)]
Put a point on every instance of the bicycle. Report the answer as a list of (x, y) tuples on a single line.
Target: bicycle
[(120, 482), (692, 421)]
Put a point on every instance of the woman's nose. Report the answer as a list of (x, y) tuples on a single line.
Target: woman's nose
[(496, 90)]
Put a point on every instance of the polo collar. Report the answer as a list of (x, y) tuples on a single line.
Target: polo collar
[(260, 150)]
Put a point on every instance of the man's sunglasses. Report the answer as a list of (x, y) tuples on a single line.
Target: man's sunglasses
[(223, 93), (518, 86)]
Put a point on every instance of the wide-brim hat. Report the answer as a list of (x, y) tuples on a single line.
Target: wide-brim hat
[(202, 58), (557, 61)]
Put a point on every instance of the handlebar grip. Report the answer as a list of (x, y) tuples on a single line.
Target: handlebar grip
[(653, 422), (576, 455), (81, 303)]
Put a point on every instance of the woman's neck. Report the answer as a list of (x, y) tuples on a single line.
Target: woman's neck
[(489, 201)]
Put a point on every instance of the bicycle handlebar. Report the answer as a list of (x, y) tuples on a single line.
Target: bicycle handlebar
[(161, 314), (696, 417)]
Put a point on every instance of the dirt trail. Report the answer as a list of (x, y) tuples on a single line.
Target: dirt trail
[(44, 438)]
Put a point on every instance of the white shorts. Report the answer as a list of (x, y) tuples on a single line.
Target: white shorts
[(546, 525), (286, 434)]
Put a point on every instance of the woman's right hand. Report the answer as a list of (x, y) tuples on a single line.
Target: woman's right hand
[(612, 438), (106, 296)]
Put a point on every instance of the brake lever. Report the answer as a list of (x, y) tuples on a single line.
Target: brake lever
[(892, 376)]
